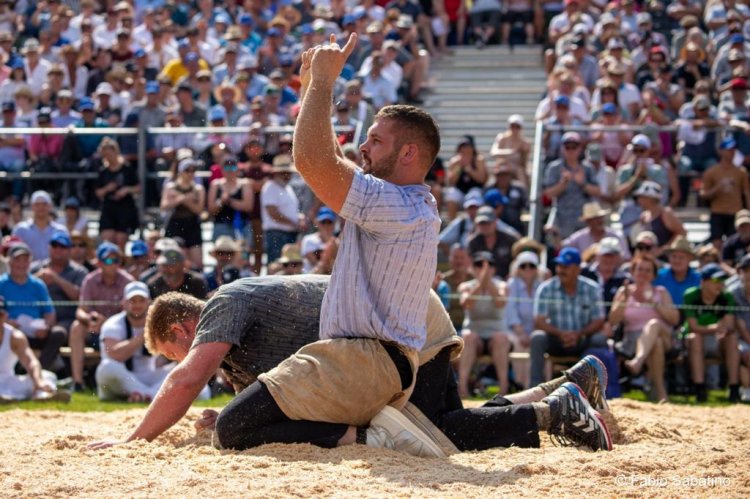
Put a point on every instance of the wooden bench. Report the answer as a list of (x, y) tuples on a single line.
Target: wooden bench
[(91, 356)]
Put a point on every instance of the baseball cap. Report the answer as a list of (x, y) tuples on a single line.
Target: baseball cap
[(643, 17), (86, 104), (713, 271), (736, 38), (515, 119), (106, 248), (136, 288), (18, 249), (186, 164), (152, 87), (9, 106), (568, 256), (728, 143), (701, 102), (615, 43), (562, 100), (61, 238), (245, 20), (483, 256), (485, 214), (527, 257), (641, 140), (166, 243), (495, 198), (191, 57), (741, 217), (138, 248), (217, 113), (171, 256), (473, 200), (104, 88), (738, 84), (609, 246), (325, 213), (41, 197)]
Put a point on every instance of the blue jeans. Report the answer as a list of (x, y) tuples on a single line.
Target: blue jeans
[(275, 240), (15, 166), (542, 343)]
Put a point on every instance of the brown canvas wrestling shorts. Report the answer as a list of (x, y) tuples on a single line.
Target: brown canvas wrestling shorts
[(342, 380)]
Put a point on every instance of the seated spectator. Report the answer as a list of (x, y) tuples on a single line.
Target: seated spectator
[(678, 276), (484, 329), (595, 218), (225, 253), (518, 11), (498, 201), (655, 217), (697, 142), (30, 310), (519, 311), (512, 149), (461, 228), (570, 184), (44, 149), (127, 370), (117, 187), (104, 287), (606, 270), (289, 263), (74, 220), (230, 200), (712, 330), (647, 315), (515, 192), (37, 232), (466, 171), (568, 314), (460, 271), (37, 384), (485, 19), (736, 246), (487, 237), (184, 200), (613, 143), (314, 244), (727, 190), (552, 140), (82, 251), (140, 258), (63, 278), (172, 276), (12, 146), (381, 91)]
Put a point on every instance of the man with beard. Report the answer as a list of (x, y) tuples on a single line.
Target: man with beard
[(248, 327)]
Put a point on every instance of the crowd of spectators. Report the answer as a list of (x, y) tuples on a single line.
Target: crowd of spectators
[(657, 90)]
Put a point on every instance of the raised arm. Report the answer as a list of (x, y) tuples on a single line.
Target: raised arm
[(316, 154)]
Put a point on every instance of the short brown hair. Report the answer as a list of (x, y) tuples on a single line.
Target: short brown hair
[(166, 310), (416, 126), (644, 258)]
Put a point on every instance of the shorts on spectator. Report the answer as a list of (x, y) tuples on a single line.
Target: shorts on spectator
[(125, 221), (526, 17)]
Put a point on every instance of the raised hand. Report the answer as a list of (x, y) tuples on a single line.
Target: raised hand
[(328, 61)]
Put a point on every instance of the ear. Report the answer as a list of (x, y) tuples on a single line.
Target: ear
[(409, 153)]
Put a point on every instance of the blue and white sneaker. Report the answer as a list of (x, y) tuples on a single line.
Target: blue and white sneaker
[(590, 374), (573, 422)]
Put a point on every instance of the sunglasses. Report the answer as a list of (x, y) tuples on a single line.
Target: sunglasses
[(58, 245), (291, 264), (111, 260), (643, 247), (481, 264), (325, 222), (79, 245), (525, 266), (230, 168), (639, 150), (717, 280), (571, 146)]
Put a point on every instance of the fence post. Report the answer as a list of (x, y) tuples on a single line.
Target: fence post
[(536, 208), (142, 174)]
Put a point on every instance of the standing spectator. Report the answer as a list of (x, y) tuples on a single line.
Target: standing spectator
[(282, 220), (35, 67), (183, 199), (12, 148), (62, 277), (488, 238), (116, 187), (724, 187), (105, 286), (258, 171), (697, 142), (31, 309), (736, 246), (568, 314), (230, 200), (39, 229), (570, 184), (466, 172), (678, 276), (712, 330), (172, 276), (657, 218), (225, 253), (484, 329)]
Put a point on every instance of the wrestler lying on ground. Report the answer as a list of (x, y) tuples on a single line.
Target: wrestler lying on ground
[(251, 325)]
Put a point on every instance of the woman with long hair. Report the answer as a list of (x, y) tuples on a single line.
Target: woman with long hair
[(230, 199), (647, 315), (183, 199), (117, 187), (466, 171)]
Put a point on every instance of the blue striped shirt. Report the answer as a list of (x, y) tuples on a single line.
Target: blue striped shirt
[(569, 313), (385, 264)]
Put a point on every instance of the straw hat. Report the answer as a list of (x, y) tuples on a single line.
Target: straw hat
[(593, 210)]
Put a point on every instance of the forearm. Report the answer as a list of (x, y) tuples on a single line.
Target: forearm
[(71, 290), (314, 137), (123, 350), (543, 324), (593, 327)]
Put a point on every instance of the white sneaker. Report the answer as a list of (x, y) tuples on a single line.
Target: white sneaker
[(390, 429), (745, 394)]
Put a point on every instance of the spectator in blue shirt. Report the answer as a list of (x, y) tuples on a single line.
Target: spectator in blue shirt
[(677, 277)]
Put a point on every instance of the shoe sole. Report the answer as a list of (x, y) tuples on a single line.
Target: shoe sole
[(576, 390), (392, 419)]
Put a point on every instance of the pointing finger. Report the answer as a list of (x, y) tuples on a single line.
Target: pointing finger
[(350, 44)]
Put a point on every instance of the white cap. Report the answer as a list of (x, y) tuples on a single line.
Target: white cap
[(649, 189), (641, 140), (526, 257), (515, 119), (41, 197), (609, 246), (137, 288), (104, 88)]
